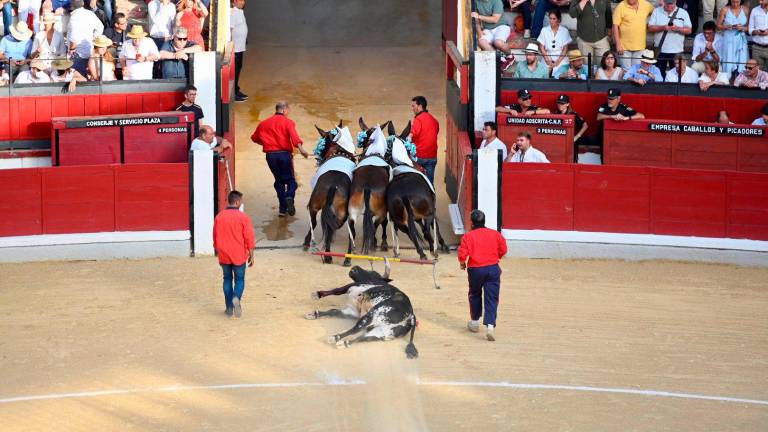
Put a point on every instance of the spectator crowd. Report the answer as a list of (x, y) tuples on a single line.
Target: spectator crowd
[(632, 40)]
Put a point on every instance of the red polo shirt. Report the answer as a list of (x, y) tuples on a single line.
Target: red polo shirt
[(277, 133), (483, 246), (424, 135), (233, 236)]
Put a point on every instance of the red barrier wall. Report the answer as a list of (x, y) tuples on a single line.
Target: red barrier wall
[(105, 198)]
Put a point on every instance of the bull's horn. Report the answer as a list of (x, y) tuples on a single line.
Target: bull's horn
[(387, 268)]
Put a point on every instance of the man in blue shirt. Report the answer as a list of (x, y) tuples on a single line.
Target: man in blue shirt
[(532, 67), (174, 54), (574, 69), (644, 71), (17, 45)]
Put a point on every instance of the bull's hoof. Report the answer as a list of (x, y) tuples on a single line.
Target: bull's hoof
[(333, 339), (311, 316), (327, 260), (347, 262), (342, 344), (315, 295)]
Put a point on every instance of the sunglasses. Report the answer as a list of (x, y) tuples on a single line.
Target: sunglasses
[(749, 67), (180, 38)]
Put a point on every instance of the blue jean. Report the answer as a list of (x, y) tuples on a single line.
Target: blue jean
[(7, 18), (484, 286), (429, 166), (281, 165), (238, 272), (538, 17)]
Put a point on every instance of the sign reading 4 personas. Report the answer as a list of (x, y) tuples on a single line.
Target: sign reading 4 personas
[(729, 130)]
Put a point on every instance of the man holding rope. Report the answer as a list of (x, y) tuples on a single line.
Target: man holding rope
[(479, 254)]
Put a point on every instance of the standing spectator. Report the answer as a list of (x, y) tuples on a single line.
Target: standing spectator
[(707, 46), (17, 46), (491, 25), (491, 141), (532, 68), (28, 11), (62, 71), (49, 43), (60, 9), (234, 241), (646, 71), (523, 151), (542, 8), (733, 23), (277, 136), (82, 28), (574, 69), (523, 105), (479, 254), (752, 77), (554, 40), (758, 28), (189, 105), (669, 24), (609, 68), (36, 74), (709, 13), (162, 16), (190, 14), (7, 7), (564, 108), (712, 76), (524, 7), (138, 57), (629, 30), (692, 7), (117, 34), (681, 72), (594, 21), (174, 55), (763, 119), (101, 65), (239, 28), (424, 136)]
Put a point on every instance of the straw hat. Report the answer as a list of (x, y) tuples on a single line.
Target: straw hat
[(48, 18), (648, 57), (21, 32), (532, 48), (37, 64), (62, 63), (137, 32), (575, 55), (102, 41)]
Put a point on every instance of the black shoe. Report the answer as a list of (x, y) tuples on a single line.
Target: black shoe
[(289, 206), (241, 95), (241, 98), (230, 310)]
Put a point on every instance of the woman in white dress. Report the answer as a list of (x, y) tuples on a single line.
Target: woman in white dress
[(101, 65), (553, 41), (49, 43), (609, 68)]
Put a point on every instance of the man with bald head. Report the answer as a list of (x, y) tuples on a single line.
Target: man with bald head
[(209, 141), (278, 137)]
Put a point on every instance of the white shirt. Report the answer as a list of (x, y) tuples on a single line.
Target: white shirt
[(198, 144), (561, 39), (700, 45), (721, 77), (163, 17), (82, 28), (674, 42), (689, 76), (759, 122), (531, 155), (25, 77), (57, 47), (239, 28), (758, 20), (497, 145), (62, 78), (139, 70)]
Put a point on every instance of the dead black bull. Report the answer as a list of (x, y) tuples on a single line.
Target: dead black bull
[(383, 312)]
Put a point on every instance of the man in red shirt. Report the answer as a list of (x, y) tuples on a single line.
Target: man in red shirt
[(424, 134), (234, 241), (277, 136), (479, 253)]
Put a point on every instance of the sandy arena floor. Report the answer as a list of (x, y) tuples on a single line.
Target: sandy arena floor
[(582, 345)]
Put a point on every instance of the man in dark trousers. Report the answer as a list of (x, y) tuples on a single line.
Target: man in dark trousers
[(234, 241), (479, 254), (424, 136), (277, 136)]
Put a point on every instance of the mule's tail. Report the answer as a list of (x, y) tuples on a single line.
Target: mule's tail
[(410, 350), (411, 221), (369, 232), (328, 218)]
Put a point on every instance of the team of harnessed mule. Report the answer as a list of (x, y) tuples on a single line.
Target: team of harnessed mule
[(379, 185)]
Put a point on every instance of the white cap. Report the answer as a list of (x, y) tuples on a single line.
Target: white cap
[(400, 153), (344, 140), (378, 143)]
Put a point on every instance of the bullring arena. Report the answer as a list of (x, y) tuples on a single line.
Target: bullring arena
[(582, 344)]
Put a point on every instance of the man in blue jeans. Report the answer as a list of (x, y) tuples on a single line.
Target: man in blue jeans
[(234, 241)]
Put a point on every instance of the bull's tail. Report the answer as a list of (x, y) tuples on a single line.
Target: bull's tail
[(412, 231), (410, 350), (369, 232), (328, 218)]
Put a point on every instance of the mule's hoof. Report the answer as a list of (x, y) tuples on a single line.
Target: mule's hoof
[(341, 344), (327, 260), (311, 315), (384, 248), (423, 257), (305, 247), (347, 262), (332, 339), (315, 295), (445, 249)]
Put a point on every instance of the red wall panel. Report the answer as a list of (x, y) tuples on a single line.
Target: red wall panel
[(5, 119), (111, 104), (161, 148), (89, 146), (613, 199), (685, 202), (42, 124), (21, 206), (152, 197), (537, 196), (78, 199), (748, 205), (76, 106), (753, 155)]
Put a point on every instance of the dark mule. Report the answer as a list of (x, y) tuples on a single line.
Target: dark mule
[(410, 200), (330, 196)]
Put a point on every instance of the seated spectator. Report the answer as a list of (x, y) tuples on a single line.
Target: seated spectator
[(752, 77), (523, 106), (554, 40), (190, 14), (609, 69), (49, 43), (4, 78), (615, 110), (174, 55), (525, 152), (82, 28), (139, 56), (574, 69), (646, 71), (763, 119), (189, 105), (712, 76), (162, 17), (34, 75), (17, 46), (533, 66), (101, 65), (707, 46), (207, 140), (723, 117), (672, 24), (681, 72), (491, 25), (491, 141), (564, 108), (64, 72)]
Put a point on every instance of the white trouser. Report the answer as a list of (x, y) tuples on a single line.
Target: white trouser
[(629, 59)]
